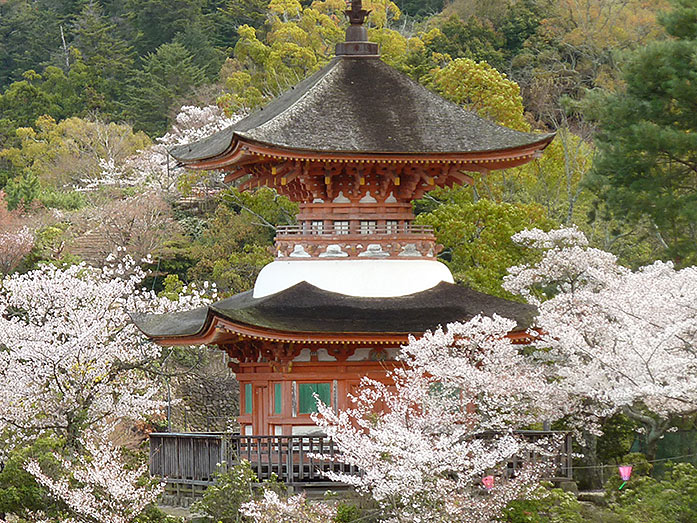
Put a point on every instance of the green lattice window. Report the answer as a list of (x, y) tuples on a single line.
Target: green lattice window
[(306, 391), (277, 399), (248, 398)]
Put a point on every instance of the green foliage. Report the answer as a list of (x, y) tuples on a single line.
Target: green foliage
[(66, 153), (671, 500), (549, 505), (172, 287), (153, 514), (237, 241), (28, 36), (619, 433), (49, 247), (233, 487), (477, 239), (52, 93), (169, 74), (520, 23), (65, 201), (474, 39), (22, 190), (108, 58), (647, 143), (19, 491), (172, 16), (206, 57), (346, 513), (482, 89)]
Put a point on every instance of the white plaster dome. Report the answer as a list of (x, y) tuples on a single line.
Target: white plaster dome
[(363, 278)]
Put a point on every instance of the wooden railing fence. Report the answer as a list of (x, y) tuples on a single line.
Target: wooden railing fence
[(193, 458)]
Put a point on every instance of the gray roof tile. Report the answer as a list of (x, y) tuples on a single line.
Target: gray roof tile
[(362, 105)]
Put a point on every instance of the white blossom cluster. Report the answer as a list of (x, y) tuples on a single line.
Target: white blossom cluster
[(294, 509), (152, 167), (194, 123), (625, 340), (71, 357), (425, 443), (567, 262), (100, 487)]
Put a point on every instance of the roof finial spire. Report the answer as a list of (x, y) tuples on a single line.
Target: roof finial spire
[(357, 14), (357, 43)]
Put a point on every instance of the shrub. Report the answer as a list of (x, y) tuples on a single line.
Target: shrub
[(346, 513), (19, 491), (233, 487), (551, 505), (671, 500)]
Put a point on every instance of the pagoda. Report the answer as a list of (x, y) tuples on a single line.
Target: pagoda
[(354, 145)]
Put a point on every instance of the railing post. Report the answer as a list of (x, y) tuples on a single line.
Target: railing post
[(289, 466)]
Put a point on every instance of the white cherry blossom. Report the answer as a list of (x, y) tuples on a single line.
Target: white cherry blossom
[(424, 444), (626, 340)]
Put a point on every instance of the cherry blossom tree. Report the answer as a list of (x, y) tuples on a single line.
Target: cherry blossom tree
[(99, 486), (14, 246), (152, 167), (271, 508), (625, 340), (70, 356), (16, 239), (137, 225), (424, 444)]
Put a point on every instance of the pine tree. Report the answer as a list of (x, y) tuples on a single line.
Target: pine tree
[(168, 75), (109, 59), (647, 161), (158, 21), (205, 56)]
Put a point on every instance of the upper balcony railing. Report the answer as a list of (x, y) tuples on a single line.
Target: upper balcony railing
[(361, 230), (356, 239)]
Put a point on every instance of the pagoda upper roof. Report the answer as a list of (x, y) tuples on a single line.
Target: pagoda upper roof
[(306, 313), (361, 105)]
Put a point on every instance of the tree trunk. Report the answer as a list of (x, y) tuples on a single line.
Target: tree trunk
[(589, 477)]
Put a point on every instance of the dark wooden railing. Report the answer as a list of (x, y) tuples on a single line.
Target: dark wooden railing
[(193, 458)]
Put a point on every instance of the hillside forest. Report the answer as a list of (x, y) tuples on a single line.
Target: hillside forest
[(93, 93)]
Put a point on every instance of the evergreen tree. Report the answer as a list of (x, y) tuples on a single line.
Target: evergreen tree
[(22, 190), (157, 21), (109, 59), (168, 75), (474, 39), (204, 55), (28, 36), (647, 161), (233, 13)]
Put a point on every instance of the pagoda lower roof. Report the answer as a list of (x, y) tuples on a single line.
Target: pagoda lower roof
[(305, 313), (361, 105)]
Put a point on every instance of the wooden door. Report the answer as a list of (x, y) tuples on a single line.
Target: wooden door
[(261, 410)]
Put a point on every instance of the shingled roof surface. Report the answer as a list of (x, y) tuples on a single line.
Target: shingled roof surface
[(362, 105), (305, 308)]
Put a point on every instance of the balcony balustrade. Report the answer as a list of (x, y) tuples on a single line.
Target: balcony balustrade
[(192, 459), (356, 241)]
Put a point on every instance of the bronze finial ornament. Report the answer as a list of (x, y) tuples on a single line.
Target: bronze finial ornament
[(356, 14), (357, 43)]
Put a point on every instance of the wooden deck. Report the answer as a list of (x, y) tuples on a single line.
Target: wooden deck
[(191, 459)]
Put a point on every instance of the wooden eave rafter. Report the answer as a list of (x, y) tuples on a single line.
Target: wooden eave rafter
[(221, 331), (243, 152)]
